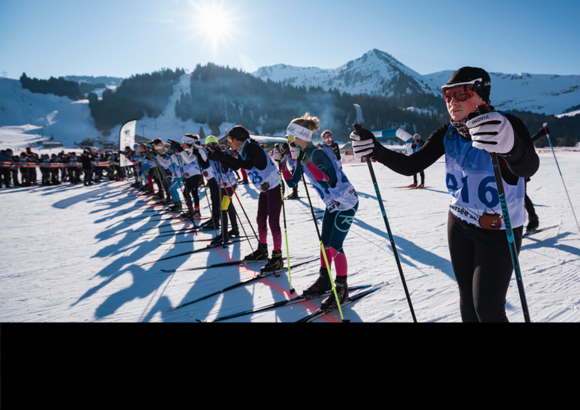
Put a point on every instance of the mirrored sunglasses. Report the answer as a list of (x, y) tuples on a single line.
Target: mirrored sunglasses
[(461, 93)]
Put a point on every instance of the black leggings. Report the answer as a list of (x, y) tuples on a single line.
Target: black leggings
[(483, 268), (191, 186)]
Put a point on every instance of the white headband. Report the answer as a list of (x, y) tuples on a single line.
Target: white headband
[(188, 140), (299, 131)]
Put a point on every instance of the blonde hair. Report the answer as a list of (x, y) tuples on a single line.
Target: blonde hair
[(308, 121), (326, 132)]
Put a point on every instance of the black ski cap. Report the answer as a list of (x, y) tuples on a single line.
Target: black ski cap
[(239, 133), (467, 75)]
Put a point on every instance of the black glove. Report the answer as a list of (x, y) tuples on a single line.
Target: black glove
[(175, 145), (363, 142), (215, 153)]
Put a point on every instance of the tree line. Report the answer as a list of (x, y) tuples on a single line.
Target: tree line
[(136, 96), (57, 86)]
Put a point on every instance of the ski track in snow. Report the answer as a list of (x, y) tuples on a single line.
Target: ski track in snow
[(71, 254)]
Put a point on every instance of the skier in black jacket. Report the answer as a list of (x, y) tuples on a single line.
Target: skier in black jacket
[(86, 161), (480, 253)]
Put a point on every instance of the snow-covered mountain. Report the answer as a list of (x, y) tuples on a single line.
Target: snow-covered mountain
[(379, 73), (375, 73)]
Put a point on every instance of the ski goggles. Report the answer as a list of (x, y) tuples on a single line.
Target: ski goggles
[(460, 92)]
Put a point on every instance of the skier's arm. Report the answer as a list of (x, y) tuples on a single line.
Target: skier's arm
[(522, 160), (402, 164), (300, 156), (292, 178), (163, 162), (324, 168), (255, 158), (187, 157)]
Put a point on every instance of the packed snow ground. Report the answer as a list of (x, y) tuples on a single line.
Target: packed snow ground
[(75, 254)]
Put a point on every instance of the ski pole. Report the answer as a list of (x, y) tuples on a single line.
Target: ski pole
[(482, 109), (320, 240), (391, 238), (558, 165), (156, 169), (277, 146)]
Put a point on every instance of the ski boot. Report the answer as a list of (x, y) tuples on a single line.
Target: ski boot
[(533, 225), (187, 214), (209, 225), (260, 254), (319, 287), (413, 185), (420, 186), (220, 240), (234, 233), (329, 304), (196, 214), (274, 263), (293, 195), (176, 207)]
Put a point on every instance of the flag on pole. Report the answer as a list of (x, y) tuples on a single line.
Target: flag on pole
[(127, 139)]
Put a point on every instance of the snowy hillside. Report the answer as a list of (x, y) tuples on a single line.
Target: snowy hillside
[(93, 270), (378, 73), (27, 117)]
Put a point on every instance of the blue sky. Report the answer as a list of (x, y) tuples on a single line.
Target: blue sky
[(123, 37)]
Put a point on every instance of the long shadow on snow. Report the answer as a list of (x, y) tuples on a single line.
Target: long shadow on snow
[(85, 196), (551, 243), (145, 282), (212, 280), (406, 248)]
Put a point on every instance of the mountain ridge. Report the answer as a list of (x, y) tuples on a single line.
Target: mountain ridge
[(379, 73)]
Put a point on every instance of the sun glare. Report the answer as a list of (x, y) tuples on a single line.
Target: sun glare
[(213, 22)]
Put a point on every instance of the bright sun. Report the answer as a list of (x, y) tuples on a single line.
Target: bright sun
[(213, 22)]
